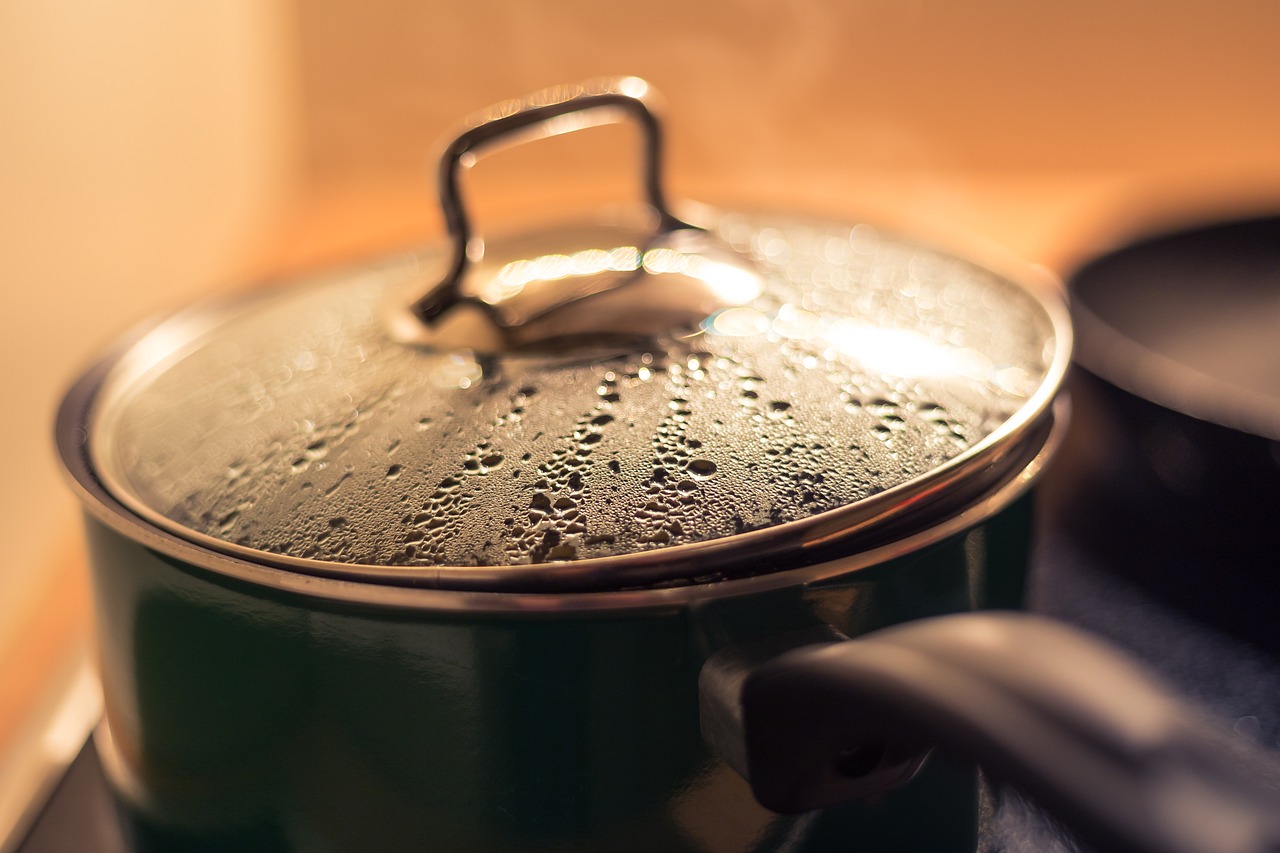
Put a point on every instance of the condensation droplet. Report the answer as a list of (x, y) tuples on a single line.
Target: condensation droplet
[(1248, 727), (702, 468)]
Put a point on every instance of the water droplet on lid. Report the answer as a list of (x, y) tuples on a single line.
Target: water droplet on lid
[(736, 322), (702, 468), (1015, 381), (329, 491), (1248, 727), (863, 239)]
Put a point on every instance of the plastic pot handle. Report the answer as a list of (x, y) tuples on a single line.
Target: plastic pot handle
[(1084, 731)]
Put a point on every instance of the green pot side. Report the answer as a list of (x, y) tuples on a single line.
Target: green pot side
[(246, 718)]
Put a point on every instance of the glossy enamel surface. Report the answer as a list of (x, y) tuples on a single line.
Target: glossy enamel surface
[(267, 718)]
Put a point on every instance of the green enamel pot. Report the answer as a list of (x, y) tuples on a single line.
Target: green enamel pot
[(478, 547)]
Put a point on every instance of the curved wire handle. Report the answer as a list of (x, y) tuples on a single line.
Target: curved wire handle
[(549, 112)]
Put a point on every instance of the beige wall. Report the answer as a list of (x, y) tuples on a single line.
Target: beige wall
[(810, 88), (144, 145), (1030, 123)]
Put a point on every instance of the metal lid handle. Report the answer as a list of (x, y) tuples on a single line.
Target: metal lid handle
[(549, 112)]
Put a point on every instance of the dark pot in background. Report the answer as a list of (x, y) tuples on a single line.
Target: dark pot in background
[(1171, 472)]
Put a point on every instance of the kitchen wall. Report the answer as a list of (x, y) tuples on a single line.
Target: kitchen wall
[(144, 147), (815, 102), (144, 144)]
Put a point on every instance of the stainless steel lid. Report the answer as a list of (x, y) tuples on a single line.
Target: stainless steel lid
[(609, 406)]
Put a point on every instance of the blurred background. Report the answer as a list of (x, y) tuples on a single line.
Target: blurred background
[(151, 152)]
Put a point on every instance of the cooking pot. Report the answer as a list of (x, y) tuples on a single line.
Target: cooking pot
[(1178, 413), (554, 541)]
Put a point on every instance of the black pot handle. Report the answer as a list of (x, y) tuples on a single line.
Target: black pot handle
[(1087, 733)]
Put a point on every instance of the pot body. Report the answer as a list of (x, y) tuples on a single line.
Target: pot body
[(1172, 468), (244, 716)]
